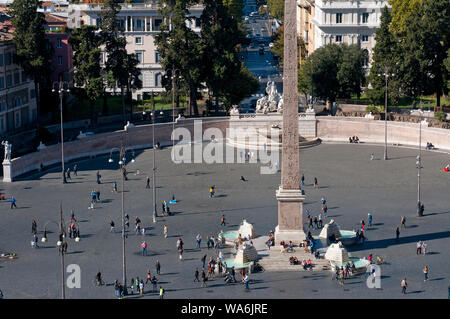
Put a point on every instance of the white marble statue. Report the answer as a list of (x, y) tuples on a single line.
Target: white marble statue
[(7, 150), (271, 101)]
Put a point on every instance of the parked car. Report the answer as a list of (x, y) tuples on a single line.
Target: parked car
[(271, 45)]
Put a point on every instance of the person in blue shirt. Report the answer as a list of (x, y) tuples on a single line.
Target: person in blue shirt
[(13, 202)]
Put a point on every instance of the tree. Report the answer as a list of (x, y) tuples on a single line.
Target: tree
[(223, 71), (180, 48), (115, 46), (402, 10), (235, 8), (335, 71), (29, 40), (278, 46), (276, 8), (385, 59), (86, 43)]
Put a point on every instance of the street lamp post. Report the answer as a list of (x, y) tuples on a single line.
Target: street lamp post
[(62, 246), (153, 115), (419, 166), (61, 93), (122, 163)]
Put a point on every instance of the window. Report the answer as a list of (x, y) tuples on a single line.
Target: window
[(139, 56), (338, 17), (98, 22), (157, 23), (365, 38), (365, 17), (8, 79), (339, 38), (138, 25), (2, 81), (17, 101), (59, 43), (2, 124), (60, 60), (8, 58), (101, 58), (122, 24), (32, 94), (1, 59), (3, 106), (156, 57), (139, 97), (24, 77), (158, 79), (16, 78), (198, 22), (138, 40)]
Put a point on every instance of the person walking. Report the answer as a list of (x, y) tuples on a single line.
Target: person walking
[(243, 178), (325, 210), (246, 281), (404, 285), (144, 248), (369, 219), (149, 276), (111, 223), (136, 283), (198, 240), (68, 173), (403, 222), (211, 191), (114, 187), (98, 177), (141, 288), (161, 292), (316, 183), (425, 273), (222, 221), (34, 227), (196, 275), (397, 233), (154, 283), (34, 243), (204, 279), (320, 220), (424, 248), (303, 179), (203, 261), (158, 267), (165, 231), (13, 202), (148, 182), (418, 248)]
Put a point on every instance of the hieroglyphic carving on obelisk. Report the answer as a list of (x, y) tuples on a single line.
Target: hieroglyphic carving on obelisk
[(290, 175), (289, 195)]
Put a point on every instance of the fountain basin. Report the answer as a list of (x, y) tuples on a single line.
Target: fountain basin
[(228, 237), (237, 265), (348, 237), (360, 264)]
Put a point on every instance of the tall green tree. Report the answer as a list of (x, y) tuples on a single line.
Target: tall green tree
[(336, 71), (223, 71), (29, 39), (402, 10), (180, 48), (115, 46), (385, 59), (86, 43)]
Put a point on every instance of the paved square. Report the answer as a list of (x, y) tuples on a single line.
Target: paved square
[(352, 184)]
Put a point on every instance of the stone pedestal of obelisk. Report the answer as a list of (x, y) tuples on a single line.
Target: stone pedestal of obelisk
[(289, 196)]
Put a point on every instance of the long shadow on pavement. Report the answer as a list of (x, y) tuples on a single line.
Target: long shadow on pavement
[(384, 243)]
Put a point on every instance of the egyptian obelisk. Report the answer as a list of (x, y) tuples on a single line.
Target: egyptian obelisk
[(289, 196)]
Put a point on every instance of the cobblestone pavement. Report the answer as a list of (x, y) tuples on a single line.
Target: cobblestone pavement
[(352, 184)]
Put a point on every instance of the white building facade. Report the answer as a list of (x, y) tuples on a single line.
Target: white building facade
[(346, 21), (140, 23)]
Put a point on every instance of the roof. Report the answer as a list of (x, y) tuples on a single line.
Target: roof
[(51, 18)]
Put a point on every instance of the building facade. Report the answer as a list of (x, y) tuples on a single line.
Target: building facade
[(340, 21), (17, 92), (140, 23), (58, 38)]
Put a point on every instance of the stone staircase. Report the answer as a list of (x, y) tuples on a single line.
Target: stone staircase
[(274, 260)]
